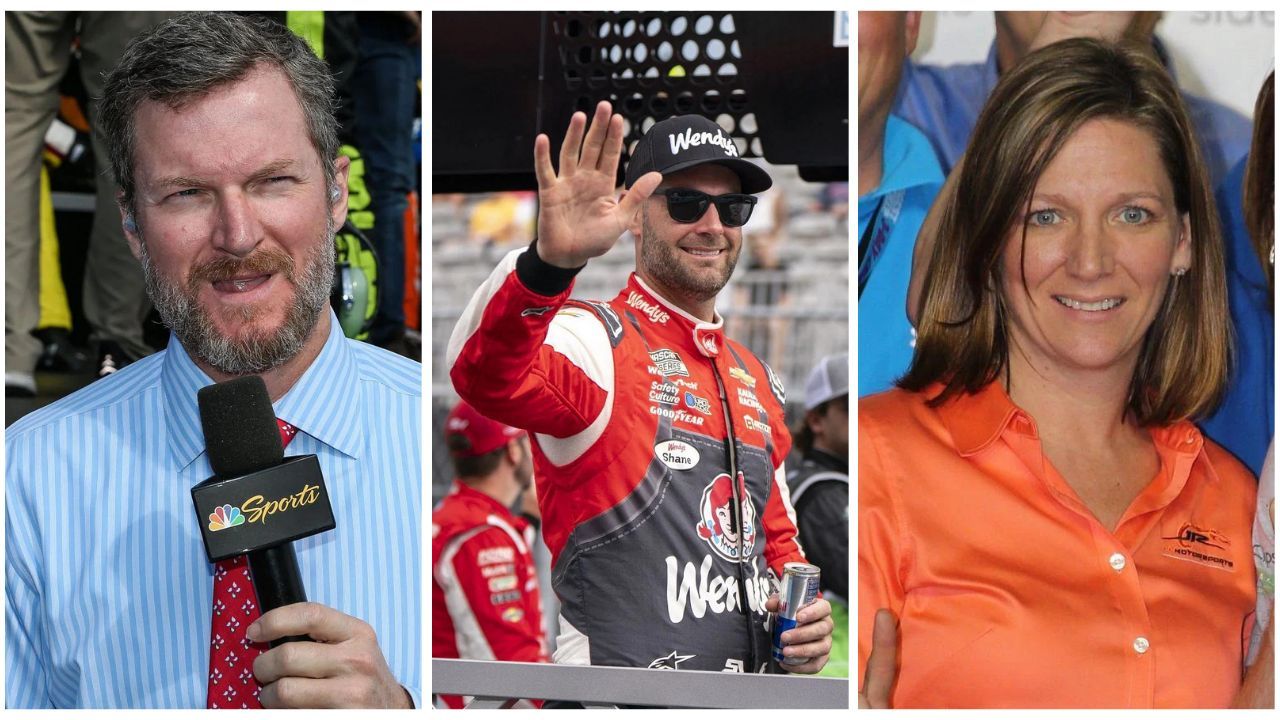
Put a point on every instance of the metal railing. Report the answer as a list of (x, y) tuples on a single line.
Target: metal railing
[(501, 684)]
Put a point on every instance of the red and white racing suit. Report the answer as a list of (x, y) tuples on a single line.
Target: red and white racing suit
[(484, 586), (643, 416)]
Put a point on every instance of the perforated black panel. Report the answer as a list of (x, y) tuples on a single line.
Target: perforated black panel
[(655, 65), (773, 80)]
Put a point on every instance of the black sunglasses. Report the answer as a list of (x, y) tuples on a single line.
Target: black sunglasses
[(688, 206)]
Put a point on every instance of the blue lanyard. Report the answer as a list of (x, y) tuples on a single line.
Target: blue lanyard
[(876, 236)]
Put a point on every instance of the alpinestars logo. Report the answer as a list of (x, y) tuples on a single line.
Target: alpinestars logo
[(670, 662), (689, 138)]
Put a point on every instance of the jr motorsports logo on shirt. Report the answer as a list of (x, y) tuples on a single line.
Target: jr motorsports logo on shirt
[(1201, 545)]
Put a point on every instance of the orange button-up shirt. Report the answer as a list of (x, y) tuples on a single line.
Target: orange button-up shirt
[(1008, 590)]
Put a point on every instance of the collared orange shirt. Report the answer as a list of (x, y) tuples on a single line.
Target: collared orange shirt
[(1009, 592)]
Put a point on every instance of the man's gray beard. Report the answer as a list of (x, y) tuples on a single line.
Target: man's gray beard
[(257, 352), (662, 262)]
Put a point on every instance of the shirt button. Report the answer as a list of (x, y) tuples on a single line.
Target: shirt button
[(1117, 561), (1140, 645)]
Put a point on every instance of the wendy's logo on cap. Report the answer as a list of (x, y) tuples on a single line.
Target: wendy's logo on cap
[(689, 138)]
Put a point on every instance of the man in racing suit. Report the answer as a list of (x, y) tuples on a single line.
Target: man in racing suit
[(658, 443), (484, 592)]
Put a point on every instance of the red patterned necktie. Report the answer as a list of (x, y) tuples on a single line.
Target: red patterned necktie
[(235, 608)]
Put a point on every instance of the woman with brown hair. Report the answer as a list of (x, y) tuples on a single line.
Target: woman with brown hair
[(1035, 506)]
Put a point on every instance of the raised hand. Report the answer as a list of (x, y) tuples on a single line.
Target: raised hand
[(579, 216)]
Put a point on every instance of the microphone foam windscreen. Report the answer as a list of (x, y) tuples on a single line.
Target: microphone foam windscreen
[(240, 431)]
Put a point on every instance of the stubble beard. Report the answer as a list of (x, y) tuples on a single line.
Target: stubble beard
[(663, 262), (253, 351)]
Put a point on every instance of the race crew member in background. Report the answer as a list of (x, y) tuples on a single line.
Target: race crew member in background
[(820, 492), (485, 602), (658, 443)]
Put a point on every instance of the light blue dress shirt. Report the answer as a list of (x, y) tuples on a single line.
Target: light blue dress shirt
[(108, 586), (944, 102), (911, 178)]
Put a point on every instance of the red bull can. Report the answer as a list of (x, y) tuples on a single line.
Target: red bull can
[(799, 588)]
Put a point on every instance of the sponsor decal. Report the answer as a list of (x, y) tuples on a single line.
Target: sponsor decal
[(663, 392), (668, 362), (489, 556), (513, 615), (653, 311), (748, 399), (225, 517), (776, 385), (257, 509), (695, 402), (719, 525), (707, 339), (612, 323), (676, 414), (1200, 545), (697, 591), (506, 582), (686, 384), (687, 139), (676, 454), (504, 597), (670, 662), (742, 376), (499, 569), (753, 424), (535, 312)]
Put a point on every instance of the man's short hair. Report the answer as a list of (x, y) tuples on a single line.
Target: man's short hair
[(472, 466), (191, 54)]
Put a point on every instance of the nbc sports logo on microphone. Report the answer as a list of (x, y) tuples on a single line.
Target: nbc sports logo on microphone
[(225, 517)]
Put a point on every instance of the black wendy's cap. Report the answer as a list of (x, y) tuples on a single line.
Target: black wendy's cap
[(685, 141)]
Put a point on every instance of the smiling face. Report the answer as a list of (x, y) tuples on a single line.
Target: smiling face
[(235, 223), (1103, 238), (688, 263)]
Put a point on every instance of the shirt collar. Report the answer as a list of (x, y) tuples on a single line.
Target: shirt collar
[(976, 419), (466, 492), (706, 337), (319, 404), (908, 161)]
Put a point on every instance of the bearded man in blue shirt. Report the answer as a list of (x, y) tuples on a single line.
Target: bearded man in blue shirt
[(223, 145)]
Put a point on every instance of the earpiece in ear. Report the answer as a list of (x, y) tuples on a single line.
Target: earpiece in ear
[(334, 194), (129, 225)]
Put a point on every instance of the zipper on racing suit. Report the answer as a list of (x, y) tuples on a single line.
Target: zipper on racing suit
[(731, 446)]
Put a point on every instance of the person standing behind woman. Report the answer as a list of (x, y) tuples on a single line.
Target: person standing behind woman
[(1250, 212), (1035, 505)]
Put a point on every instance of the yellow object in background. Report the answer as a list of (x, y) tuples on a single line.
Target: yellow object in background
[(55, 312)]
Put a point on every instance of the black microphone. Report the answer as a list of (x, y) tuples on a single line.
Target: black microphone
[(257, 502)]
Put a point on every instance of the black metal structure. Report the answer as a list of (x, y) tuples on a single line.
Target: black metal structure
[(775, 81)]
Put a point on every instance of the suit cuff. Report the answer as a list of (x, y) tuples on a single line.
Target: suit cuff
[(542, 277)]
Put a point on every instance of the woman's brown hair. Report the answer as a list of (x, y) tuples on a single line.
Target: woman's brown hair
[(1036, 107)]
